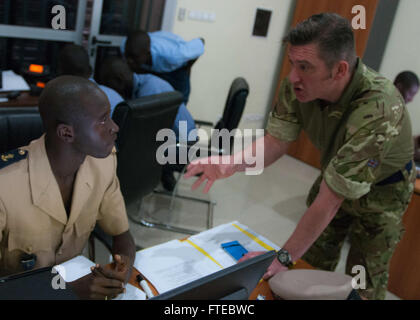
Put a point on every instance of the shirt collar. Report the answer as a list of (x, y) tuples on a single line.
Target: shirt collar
[(338, 108), (44, 187), (352, 87), (136, 86)]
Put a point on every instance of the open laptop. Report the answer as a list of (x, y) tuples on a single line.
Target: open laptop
[(233, 283)]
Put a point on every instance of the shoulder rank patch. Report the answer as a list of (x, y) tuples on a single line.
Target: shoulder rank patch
[(13, 156), (373, 163)]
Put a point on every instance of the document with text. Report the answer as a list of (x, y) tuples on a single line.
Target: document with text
[(173, 264), (178, 262)]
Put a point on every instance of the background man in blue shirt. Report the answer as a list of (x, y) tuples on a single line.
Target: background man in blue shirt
[(74, 61), (408, 84), (116, 74), (164, 54)]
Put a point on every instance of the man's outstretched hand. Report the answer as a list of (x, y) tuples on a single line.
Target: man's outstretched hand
[(210, 171)]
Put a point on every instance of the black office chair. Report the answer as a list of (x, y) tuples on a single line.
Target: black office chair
[(18, 127), (232, 114), (234, 107), (140, 120)]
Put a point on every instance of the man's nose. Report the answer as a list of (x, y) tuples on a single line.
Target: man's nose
[(114, 127), (293, 76)]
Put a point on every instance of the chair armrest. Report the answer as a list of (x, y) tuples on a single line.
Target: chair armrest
[(204, 123), (106, 239)]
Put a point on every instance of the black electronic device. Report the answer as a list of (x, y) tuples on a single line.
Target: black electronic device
[(36, 75), (233, 283), (37, 70), (37, 284), (13, 95)]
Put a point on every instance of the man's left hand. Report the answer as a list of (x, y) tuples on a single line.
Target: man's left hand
[(120, 268), (274, 268)]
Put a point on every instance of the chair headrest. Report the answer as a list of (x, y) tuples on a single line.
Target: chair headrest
[(238, 85), (150, 104), (303, 284)]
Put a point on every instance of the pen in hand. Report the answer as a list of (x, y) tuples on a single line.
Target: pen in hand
[(145, 286)]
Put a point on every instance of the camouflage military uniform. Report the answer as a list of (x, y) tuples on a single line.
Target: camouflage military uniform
[(366, 157)]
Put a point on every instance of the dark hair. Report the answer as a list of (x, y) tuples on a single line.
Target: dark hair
[(63, 100), (74, 61), (407, 79), (111, 68), (331, 32), (138, 42)]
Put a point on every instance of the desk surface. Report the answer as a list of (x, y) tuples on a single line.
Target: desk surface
[(417, 186), (24, 100)]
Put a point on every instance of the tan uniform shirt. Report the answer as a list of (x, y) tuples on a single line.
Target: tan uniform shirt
[(33, 219)]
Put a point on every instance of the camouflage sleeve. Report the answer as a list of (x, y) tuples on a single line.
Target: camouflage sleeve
[(283, 123), (357, 163)]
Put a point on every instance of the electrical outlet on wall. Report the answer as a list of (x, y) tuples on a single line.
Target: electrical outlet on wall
[(202, 16), (181, 14), (251, 117)]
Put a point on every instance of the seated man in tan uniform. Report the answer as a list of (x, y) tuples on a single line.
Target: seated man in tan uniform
[(54, 191)]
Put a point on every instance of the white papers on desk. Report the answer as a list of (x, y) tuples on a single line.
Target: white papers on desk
[(75, 268), (175, 263), (172, 264), (211, 240), (12, 81), (131, 293)]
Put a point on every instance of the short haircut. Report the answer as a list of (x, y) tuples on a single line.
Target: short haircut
[(112, 67), (63, 100), (333, 35), (407, 79), (74, 60), (138, 42)]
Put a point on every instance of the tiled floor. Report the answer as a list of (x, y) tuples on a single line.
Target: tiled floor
[(271, 204)]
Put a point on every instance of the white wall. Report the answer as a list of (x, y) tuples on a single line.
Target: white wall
[(403, 51), (232, 51)]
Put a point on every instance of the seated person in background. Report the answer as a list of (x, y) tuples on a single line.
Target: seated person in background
[(164, 54), (74, 61), (407, 83), (53, 191), (116, 74)]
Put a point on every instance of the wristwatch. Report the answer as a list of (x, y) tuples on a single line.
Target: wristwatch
[(284, 257)]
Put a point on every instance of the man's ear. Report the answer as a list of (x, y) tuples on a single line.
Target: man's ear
[(65, 132), (341, 69)]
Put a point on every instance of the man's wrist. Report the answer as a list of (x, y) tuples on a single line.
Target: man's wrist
[(285, 258)]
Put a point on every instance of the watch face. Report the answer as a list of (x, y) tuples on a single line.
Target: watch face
[(283, 257)]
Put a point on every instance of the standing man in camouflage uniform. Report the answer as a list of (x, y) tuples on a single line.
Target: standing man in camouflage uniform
[(358, 120)]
